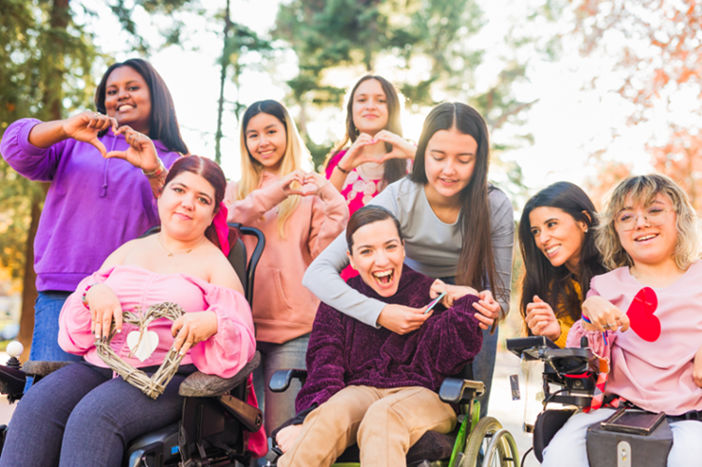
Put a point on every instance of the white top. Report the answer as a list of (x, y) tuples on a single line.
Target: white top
[(432, 248)]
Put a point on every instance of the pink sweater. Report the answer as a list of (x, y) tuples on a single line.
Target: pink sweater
[(656, 376), (223, 354), (282, 308)]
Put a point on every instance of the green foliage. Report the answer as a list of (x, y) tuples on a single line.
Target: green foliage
[(45, 65)]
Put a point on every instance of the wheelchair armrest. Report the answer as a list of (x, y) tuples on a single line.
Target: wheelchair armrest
[(454, 390), (280, 381), (41, 367), (199, 384)]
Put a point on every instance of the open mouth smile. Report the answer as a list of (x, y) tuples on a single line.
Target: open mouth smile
[(385, 277)]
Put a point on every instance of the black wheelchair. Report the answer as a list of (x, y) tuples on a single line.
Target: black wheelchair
[(475, 441), (215, 416), (574, 371)]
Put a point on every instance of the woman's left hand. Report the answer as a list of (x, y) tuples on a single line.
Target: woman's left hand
[(488, 310), (192, 328), (141, 152), (313, 183), (401, 148)]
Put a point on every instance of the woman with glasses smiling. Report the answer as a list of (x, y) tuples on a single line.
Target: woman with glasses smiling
[(648, 233)]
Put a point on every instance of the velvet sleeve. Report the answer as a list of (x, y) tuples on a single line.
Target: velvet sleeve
[(75, 334), (451, 339), (325, 359), (329, 217), (255, 205), (31, 161), (234, 344)]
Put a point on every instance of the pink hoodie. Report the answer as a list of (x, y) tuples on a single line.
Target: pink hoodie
[(283, 308)]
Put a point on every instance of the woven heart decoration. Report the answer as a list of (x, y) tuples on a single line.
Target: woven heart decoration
[(141, 344)]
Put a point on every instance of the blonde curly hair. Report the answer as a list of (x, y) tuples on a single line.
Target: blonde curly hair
[(643, 189)]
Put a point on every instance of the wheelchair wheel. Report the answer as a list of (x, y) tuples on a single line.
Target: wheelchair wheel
[(489, 445)]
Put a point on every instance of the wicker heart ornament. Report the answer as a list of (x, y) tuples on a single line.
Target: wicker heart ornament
[(142, 346)]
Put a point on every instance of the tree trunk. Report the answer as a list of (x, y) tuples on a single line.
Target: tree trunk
[(29, 290), (222, 78)]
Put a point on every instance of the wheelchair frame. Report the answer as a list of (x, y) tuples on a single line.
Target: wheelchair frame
[(477, 441)]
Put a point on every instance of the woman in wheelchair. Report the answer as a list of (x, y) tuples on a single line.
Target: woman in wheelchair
[(557, 241), (80, 414), (371, 386), (648, 237)]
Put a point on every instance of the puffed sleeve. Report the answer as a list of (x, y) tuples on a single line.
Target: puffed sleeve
[(234, 344), (75, 335), (329, 217)]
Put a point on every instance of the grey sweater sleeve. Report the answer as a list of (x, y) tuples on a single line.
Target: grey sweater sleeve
[(322, 279), (502, 224)]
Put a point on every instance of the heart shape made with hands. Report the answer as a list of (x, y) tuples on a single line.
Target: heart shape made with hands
[(304, 189), (151, 386), (641, 318)]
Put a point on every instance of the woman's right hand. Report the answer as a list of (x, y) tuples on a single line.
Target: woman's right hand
[(141, 152), (287, 436), (85, 127), (541, 319), (402, 319), (104, 307), (603, 315)]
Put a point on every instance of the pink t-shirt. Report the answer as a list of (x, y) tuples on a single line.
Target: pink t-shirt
[(656, 376), (357, 191), (223, 354)]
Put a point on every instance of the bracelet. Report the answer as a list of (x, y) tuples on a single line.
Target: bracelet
[(342, 170), (157, 172), (84, 298)]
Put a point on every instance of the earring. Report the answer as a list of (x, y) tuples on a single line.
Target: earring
[(586, 229)]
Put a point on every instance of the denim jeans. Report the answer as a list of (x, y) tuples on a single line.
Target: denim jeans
[(79, 415), (278, 407), (45, 336)]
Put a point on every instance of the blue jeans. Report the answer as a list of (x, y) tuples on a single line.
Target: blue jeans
[(80, 415), (46, 327), (278, 407)]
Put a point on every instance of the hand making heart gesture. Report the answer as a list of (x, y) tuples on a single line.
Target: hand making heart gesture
[(86, 126), (141, 152), (301, 183), (360, 153)]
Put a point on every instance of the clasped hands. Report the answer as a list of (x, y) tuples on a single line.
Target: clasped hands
[(86, 126), (187, 330), (402, 319)]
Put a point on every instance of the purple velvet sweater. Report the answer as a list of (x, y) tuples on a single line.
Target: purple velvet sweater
[(344, 351)]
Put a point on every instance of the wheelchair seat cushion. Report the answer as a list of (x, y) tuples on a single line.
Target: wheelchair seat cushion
[(431, 446)]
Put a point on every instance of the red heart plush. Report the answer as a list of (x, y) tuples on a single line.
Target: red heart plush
[(644, 323)]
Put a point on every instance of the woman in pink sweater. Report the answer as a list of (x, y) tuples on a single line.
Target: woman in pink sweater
[(80, 414), (648, 237), (300, 214)]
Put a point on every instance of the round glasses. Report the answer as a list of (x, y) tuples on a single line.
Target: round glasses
[(655, 216)]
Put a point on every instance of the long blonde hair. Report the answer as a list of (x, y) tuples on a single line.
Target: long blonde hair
[(252, 170)]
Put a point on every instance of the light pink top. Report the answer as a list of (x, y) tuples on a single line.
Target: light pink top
[(656, 376), (223, 354)]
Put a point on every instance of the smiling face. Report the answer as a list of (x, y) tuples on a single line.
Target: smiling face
[(558, 235), (370, 108), (186, 206), (377, 254), (266, 140), (449, 162), (128, 99), (648, 233)]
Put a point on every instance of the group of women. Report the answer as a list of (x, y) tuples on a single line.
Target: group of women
[(432, 226)]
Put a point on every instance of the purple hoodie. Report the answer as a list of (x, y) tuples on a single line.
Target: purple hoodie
[(93, 206), (344, 351)]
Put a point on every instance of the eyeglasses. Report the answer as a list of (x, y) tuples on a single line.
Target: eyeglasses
[(653, 215)]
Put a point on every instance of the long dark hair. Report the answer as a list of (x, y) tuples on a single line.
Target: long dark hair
[(163, 124), (210, 171), (393, 169), (476, 262), (553, 284)]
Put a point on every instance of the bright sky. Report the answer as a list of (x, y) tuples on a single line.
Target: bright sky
[(567, 123)]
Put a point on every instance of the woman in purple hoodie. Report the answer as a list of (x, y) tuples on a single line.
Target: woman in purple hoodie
[(94, 204), (369, 385)]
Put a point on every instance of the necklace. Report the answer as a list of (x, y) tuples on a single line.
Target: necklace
[(170, 253)]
